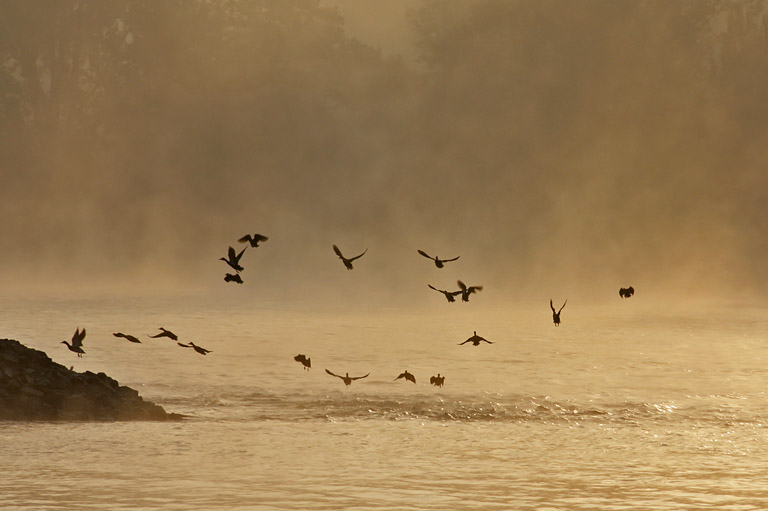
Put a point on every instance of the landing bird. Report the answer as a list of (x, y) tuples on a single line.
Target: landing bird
[(347, 262), (305, 361), (197, 348), (466, 291), (127, 337), (347, 379), (233, 259), (449, 295), (437, 381), (475, 340), (556, 314), (253, 240), (77, 342), (408, 376), (438, 262), (626, 292), (233, 278), (166, 333)]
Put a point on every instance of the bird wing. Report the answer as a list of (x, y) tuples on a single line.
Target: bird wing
[(245, 239), (358, 256), (449, 260), (438, 290), (118, 334), (232, 255), (401, 375), (334, 374), (184, 345), (551, 306), (474, 289), (338, 253), (77, 338), (359, 377), (486, 340), (561, 308), (260, 237), (237, 258), (461, 285), (465, 342), (424, 254), (432, 379)]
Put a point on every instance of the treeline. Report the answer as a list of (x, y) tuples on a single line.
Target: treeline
[(610, 131)]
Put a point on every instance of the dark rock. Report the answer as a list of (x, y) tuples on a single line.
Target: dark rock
[(33, 387)]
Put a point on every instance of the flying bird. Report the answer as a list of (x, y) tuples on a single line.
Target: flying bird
[(475, 340), (408, 376), (626, 292), (127, 337), (347, 379), (77, 342), (233, 278), (438, 262), (437, 381), (165, 333), (305, 361), (197, 348), (253, 239), (556, 314), (466, 291), (347, 262), (449, 295), (233, 259)]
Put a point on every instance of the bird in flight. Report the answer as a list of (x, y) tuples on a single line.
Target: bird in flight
[(466, 291), (408, 376), (438, 262), (626, 292), (347, 262), (166, 333), (253, 239), (77, 342), (556, 314), (347, 379), (197, 348), (127, 337), (449, 295), (475, 340), (233, 278), (305, 361), (233, 259), (437, 381)]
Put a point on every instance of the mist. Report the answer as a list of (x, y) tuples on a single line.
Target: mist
[(560, 148)]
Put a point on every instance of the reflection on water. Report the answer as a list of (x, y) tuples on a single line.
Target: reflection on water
[(608, 411)]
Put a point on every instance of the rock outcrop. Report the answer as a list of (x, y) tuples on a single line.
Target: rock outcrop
[(35, 388)]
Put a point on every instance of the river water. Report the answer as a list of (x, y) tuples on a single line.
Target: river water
[(625, 406)]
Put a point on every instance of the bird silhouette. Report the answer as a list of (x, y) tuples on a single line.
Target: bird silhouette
[(233, 278), (233, 259), (438, 262), (347, 262), (556, 314), (408, 376), (127, 337), (449, 295), (165, 333), (475, 340), (437, 381), (466, 291), (347, 379), (197, 348), (77, 342), (253, 239), (305, 361), (626, 292)]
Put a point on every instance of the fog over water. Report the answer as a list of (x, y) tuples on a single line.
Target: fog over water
[(559, 147)]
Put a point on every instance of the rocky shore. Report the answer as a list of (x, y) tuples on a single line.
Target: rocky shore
[(35, 388)]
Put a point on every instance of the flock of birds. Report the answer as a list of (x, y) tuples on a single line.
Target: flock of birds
[(253, 240)]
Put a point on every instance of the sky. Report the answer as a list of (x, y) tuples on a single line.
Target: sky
[(561, 149)]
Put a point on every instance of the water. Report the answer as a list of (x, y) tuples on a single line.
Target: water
[(628, 406)]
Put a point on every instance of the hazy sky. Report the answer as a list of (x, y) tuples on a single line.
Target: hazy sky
[(560, 148)]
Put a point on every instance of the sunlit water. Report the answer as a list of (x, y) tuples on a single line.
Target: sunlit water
[(623, 407)]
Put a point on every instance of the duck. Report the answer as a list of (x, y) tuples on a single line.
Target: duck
[(556, 314), (197, 348), (438, 262), (233, 278), (347, 379), (437, 381), (449, 295), (305, 361), (165, 333), (347, 261), (408, 376), (233, 259), (467, 290), (253, 239), (77, 342), (127, 337), (626, 292), (475, 340)]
